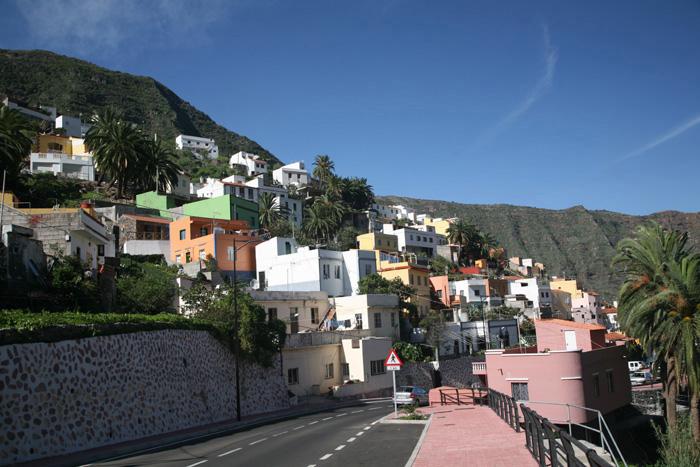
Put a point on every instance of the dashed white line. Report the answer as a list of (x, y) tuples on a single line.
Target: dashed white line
[(227, 453), (328, 418), (313, 422), (258, 441), (367, 428), (374, 422), (351, 440), (341, 415), (197, 463), (312, 465), (299, 427), (375, 408), (278, 434), (340, 447), (358, 411), (326, 457), (360, 433)]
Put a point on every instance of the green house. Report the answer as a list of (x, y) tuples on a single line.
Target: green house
[(162, 203), (226, 207)]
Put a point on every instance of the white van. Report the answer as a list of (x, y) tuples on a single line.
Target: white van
[(635, 366)]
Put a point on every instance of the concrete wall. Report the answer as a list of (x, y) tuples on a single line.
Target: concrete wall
[(69, 396), (456, 373)]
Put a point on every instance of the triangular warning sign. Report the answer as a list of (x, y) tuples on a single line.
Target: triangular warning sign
[(393, 359)]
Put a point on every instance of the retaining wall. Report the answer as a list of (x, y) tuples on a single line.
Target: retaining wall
[(456, 373), (69, 396)]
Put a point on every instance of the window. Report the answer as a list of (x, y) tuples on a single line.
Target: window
[(377, 320), (477, 292), (411, 236), (337, 272), (345, 369), (294, 320), (203, 231), (326, 271), (271, 313), (431, 239), (287, 248), (358, 320), (100, 250), (611, 385), (393, 319), (230, 253), (368, 269), (394, 242), (596, 385), (425, 280), (520, 391), (329, 370), (183, 234), (377, 367), (410, 278), (188, 257), (293, 376), (202, 255), (314, 315), (379, 242), (178, 258), (524, 284)]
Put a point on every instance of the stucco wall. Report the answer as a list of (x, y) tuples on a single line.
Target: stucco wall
[(69, 396)]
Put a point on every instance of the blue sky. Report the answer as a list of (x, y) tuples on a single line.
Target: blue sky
[(547, 104)]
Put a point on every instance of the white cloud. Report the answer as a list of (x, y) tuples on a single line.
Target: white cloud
[(539, 89), (670, 135), (108, 25)]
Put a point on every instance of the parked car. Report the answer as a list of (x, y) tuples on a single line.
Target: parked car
[(635, 366), (406, 395), (641, 377)]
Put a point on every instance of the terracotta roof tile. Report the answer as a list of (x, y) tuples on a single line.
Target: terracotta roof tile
[(573, 324)]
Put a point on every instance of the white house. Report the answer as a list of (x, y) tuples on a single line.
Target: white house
[(181, 187), (388, 212), (292, 174), (378, 313), (540, 295), (252, 164), (587, 309), (198, 146), (281, 265), (80, 166), (292, 207), (72, 126), (417, 240), (302, 311)]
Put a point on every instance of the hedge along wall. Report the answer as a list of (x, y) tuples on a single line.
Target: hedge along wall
[(456, 373), (68, 396)]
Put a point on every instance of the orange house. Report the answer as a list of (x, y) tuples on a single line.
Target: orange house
[(195, 238)]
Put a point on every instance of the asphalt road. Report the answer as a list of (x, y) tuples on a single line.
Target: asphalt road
[(336, 437)]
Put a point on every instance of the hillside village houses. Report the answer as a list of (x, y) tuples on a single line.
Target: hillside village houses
[(338, 339)]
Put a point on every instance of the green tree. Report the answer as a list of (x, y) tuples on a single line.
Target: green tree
[(434, 324), (157, 160), (408, 352), (116, 146), (464, 234), (318, 223), (324, 168), (68, 277), (260, 339), (268, 210), (347, 238), (358, 195), (335, 185), (658, 304), (14, 144)]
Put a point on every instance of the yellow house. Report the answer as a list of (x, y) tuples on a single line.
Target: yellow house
[(441, 225), (55, 144), (570, 286), (383, 245), (412, 275), (62, 155)]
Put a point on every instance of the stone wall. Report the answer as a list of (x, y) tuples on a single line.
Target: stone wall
[(649, 401), (456, 373), (69, 396)]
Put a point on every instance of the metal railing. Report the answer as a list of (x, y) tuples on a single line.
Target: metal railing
[(506, 408), (463, 396), (607, 442), (552, 446)]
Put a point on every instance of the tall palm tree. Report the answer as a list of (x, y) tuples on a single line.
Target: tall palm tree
[(268, 209), (157, 161), (335, 185), (116, 146), (335, 209), (15, 146), (464, 234), (358, 194), (649, 297), (317, 223), (324, 168)]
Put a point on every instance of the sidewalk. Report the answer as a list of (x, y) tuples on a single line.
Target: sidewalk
[(468, 435)]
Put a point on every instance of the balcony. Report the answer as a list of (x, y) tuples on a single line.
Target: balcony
[(479, 368)]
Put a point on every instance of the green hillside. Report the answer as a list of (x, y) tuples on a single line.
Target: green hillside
[(76, 87), (574, 242)]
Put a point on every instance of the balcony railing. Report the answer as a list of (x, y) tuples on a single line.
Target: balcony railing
[(479, 368), (147, 236), (61, 156), (312, 339)]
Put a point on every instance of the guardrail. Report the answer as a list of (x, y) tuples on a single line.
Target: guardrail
[(506, 408), (552, 446), (468, 396)]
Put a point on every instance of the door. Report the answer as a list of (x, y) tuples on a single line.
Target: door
[(570, 338), (294, 323)]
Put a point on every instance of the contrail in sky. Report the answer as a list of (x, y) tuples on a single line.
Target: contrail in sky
[(672, 134), (540, 89)]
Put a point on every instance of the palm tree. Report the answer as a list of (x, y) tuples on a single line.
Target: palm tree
[(317, 222), (358, 194), (268, 209), (335, 208), (324, 168), (335, 185), (651, 297), (487, 242), (464, 234), (157, 161), (116, 146), (15, 146)]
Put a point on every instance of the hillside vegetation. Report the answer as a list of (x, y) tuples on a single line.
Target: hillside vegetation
[(77, 87), (574, 242)]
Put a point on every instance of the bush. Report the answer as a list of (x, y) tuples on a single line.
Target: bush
[(677, 449)]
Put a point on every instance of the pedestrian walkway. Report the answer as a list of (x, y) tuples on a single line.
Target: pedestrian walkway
[(461, 435)]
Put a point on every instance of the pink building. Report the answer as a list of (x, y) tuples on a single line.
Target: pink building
[(571, 364)]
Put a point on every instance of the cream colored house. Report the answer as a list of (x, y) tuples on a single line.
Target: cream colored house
[(378, 313), (302, 311)]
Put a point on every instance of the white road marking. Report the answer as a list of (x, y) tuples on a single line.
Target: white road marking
[(351, 440), (374, 422), (299, 427), (284, 432), (227, 453), (340, 447), (258, 441), (360, 433), (375, 408), (312, 465), (358, 411), (367, 428), (328, 418), (313, 422), (200, 462), (326, 457), (341, 415)]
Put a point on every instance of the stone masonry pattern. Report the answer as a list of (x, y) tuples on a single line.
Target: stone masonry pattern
[(64, 397), (456, 373)]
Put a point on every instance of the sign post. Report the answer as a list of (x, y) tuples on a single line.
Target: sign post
[(393, 364)]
